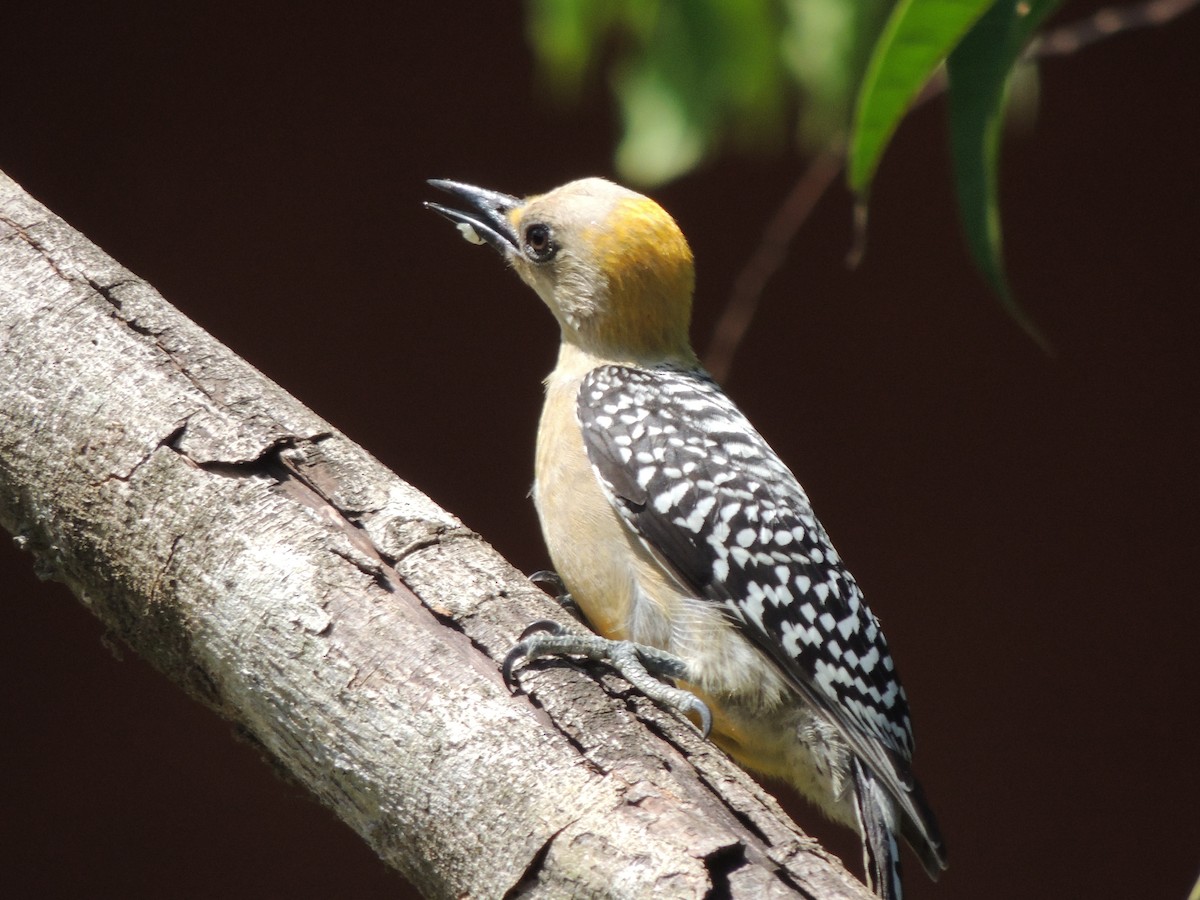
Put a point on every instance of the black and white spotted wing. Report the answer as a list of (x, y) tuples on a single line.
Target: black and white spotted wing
[(691, 476)]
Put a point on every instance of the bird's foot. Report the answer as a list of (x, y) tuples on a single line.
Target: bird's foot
[(638, 664)]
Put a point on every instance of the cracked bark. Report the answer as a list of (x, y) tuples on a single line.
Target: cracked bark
[(341, 620)]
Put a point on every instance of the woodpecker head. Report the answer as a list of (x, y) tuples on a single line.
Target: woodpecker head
[(612, 266)]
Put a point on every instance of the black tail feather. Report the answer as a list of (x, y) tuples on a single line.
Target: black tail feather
[(924, 837), (877, 821)]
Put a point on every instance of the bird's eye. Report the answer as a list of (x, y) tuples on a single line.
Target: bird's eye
[(538, 245)]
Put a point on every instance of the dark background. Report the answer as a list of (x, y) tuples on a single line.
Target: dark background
[(1024, 525)]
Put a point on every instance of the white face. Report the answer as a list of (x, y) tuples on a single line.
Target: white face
[(556, 256), (611, 264)]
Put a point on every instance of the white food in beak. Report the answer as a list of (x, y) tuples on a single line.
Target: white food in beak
[(469, 233)]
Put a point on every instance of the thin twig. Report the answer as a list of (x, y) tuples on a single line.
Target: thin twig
[(771, 251), (1105, 23), (768, 257)]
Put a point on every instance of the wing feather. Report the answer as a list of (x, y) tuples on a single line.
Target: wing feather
[(694, 480)]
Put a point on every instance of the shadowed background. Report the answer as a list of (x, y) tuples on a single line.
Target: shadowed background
[(1024, 526)]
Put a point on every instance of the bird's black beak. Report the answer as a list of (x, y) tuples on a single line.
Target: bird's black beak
[(486, 219)]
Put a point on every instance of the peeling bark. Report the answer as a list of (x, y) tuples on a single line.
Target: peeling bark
[(342, 621)]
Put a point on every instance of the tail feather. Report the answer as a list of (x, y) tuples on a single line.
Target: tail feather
[(923, 836), (877, 821)]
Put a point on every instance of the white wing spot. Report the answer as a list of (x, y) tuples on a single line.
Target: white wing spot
[(664, 502), (848, 626), (752, 606)]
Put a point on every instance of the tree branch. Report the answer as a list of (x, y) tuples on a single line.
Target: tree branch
[(338, 617)]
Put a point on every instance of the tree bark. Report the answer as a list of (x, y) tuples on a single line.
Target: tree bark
[(337, 616)]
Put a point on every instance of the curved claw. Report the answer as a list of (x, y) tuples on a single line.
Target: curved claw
[(541, 625), (522, 648), (544, 578), (513, 657), (552, 584), (700, 708)]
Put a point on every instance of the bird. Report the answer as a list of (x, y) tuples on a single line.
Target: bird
[(688, 545)]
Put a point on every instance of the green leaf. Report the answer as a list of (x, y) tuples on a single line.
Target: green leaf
[(979, 71), (566, 38), (690, 76), (703, 73), (918, 36), (663, 139), (825, 45)]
